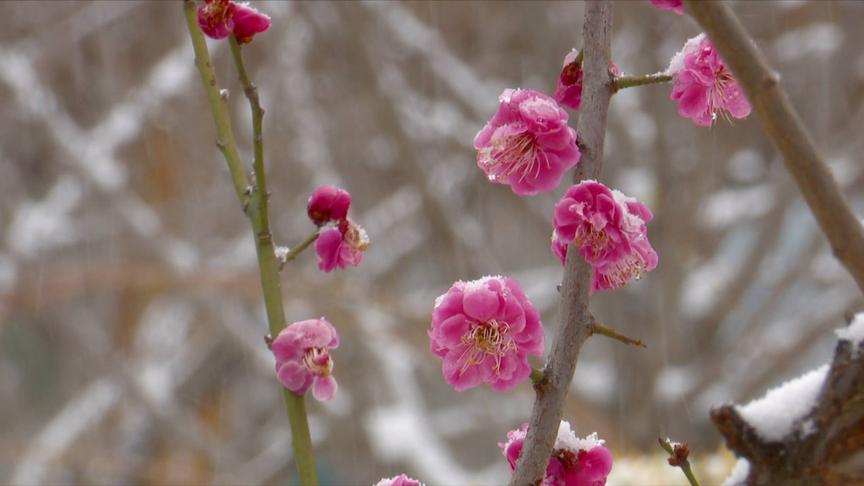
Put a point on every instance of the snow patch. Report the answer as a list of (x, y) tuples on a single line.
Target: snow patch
[(774, 415), (739, 473), (854, 333)]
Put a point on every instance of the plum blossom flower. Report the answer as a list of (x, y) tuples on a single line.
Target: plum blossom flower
[(340, 244), (676, 6), (302, 352), (574, 461), (527, 144), (400, 480), (608, 229), (568, 91), (220, 18), (328, 203), (216, 18), (702, 85), (248, 22), (484, 331)]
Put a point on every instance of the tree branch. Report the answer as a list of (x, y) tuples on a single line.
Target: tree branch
[(267, 264), (576, 288), (786, 132)]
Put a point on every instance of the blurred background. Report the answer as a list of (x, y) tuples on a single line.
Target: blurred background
[(131, 319)]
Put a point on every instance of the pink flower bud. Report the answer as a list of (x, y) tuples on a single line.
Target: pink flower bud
[(302, 352), (248, 22), (328, 203), (527, 144), (484, 331), (676, 6)]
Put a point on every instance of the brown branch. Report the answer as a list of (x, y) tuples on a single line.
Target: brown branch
[(786, 132), (824, 446), (576, 288)]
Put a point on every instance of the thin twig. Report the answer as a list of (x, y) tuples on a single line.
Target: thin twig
[(598, 328), (297, 249), (678, 454), (576, 321), (787, 133), (267, 264), (622, 82)]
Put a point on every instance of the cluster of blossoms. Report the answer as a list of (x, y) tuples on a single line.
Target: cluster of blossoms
[(484, 331), (574, 461), (608, 229), (400, 480), (702, 85), (302, 352), (220, 18), (341, 242)]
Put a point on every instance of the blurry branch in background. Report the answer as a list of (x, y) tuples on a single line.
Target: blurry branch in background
[(258, 216), (576, 319), (824, 444), (786, 131), (678, 457)]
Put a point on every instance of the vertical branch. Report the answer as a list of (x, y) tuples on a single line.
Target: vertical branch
[(258, 217), (576, 287), (786, 132)]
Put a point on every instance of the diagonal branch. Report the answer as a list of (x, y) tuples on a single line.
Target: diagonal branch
[(786, 131), (576, 288)]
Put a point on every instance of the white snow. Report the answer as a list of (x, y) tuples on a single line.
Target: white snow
[(854, 333), (774, 415), (677, 61), (739, 473), (567, 439)]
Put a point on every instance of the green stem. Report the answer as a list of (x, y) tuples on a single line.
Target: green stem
[(297, 249), (622, 82), (268, 266), (598, 328), (684, 464)]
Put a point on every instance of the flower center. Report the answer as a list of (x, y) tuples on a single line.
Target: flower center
[(718, 95), (486, 339), (218, 12), (596, 240), (621, 271), (318, 362), (356, 237), (516, 154)]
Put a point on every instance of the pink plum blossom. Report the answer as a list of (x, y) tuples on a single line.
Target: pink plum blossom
[(302, 352), (340, 244), (400, 480), (484, 331), (216, 18), (328, 203), (702, 85), (568, 91), (676, 6), (609, 230), (574, 461), (527, 144), (248, 22)]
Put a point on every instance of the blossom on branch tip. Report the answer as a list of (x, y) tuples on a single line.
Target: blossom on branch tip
[(340, 244), (484, 331), (328, 203), (220, 18), (608, 229), (248, 22), (527, 144), (302, 352), (676, 6), (400, 480), (702, 85), (568, 91), (216, 18), (574, 461)]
